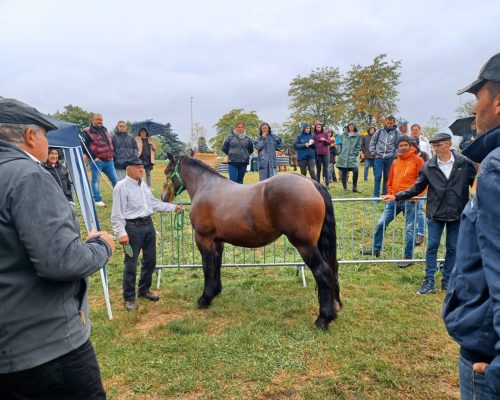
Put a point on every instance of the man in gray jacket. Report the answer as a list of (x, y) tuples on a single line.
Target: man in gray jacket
[(125, 148), (383, 146), (45, 352)]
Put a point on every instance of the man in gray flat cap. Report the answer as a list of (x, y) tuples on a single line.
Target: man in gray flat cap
[(45, 351), (472, 305), (447, 176)]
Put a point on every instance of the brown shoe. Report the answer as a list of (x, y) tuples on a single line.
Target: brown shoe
[(404, 264), (419, 240), (150, 296), (131, 306)]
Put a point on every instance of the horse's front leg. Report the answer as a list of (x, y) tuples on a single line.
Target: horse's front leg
[(324, 280), (212, 286)]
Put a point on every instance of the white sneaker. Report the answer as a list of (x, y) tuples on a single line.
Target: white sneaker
[(100, 204)]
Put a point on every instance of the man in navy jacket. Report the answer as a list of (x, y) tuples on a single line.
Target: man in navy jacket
[(472, 305)]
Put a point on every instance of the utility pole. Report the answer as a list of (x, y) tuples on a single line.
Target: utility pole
[(191, 99)]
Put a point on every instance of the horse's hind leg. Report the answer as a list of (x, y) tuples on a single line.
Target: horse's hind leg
[(324, 280), (211, 271), (218, 251)]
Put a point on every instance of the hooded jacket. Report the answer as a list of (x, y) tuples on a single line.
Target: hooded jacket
[(43, 266), (446, 198), (322, 140), (348, 148), (404, 171), (266, 148), (471, 309), (383, 143), (304, 152)]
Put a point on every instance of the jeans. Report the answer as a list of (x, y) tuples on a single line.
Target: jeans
[(331, 172), (237, 171), (322, 161), (434, 232), (141, 235), (473, 384), (381, 166), (391, 210), (75, 375), (305, 165), (369, 163), (98, 168), (345, 172), (420, 218)]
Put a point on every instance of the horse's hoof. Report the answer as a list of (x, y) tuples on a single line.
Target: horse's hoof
[(321, 324), (203, 302)]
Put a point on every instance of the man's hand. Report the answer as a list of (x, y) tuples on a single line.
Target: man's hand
[(388, 197), (178, 208), (104, 235), (123, 240), (480, 367), (97, 159)]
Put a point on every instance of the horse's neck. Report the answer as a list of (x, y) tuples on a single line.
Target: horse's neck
[(195, 182)]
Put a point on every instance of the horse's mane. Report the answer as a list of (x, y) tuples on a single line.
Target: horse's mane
[(194, 162)]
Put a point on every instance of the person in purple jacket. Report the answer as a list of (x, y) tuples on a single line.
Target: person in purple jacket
[(322, 143)]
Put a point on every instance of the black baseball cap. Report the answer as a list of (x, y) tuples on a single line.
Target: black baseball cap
[(133, 161), (16, 112), (489, 72), (439, 137)]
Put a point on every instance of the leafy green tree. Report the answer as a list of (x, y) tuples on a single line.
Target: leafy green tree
[(318, 95), (466, 110), (170, 142), (435, 125), (372, 91), (75, 115), (226, 124), (202, 145)]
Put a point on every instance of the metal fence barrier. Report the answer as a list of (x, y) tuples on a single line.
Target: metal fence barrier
[(356, 221)]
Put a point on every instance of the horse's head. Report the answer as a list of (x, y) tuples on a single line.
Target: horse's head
[(174, 184)]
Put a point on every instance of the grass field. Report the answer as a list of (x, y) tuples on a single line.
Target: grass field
[(257, 341)]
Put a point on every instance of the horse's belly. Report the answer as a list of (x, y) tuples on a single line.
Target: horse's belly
[(245, 239)]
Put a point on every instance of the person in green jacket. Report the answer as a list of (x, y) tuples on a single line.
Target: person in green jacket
[(349, 147)]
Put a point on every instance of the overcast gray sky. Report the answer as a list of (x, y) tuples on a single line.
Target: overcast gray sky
[(134, 60)]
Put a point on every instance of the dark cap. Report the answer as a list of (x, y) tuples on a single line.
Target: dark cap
[(404, 138), (489, 72), (439, 137), (15, 112), (133, 161)]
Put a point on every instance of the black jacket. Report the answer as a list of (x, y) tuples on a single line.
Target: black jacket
[(446, 198), (61, 175), (125, 149)]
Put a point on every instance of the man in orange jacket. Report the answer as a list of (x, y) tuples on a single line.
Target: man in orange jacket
[(402, 175)]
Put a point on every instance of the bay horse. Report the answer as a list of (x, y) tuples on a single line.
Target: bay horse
[(253, 216)]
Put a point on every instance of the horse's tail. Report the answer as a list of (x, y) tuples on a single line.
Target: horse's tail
[(327, 243)]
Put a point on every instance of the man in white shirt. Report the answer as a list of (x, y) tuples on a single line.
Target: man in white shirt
[(423, 142), (447, 176), (133, 204)]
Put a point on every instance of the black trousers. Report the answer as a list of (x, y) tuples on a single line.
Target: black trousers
[(355, 173), (74, 376), (322, 161), (141, 236), (305, 165)]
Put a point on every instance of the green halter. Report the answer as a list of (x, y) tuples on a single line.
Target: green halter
[(177, 175)]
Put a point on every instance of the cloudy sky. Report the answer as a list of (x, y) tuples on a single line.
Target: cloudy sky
[(134, 60)]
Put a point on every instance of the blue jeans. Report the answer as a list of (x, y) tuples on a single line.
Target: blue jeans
[(237, 171), (391, 210), (369, 163), (381, 166), (420, 218), (434, 232), (97, 168), (473, 384)]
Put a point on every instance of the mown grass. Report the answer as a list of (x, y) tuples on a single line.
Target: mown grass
[(257, 341)]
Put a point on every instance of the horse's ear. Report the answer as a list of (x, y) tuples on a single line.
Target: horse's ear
[(171, 157)]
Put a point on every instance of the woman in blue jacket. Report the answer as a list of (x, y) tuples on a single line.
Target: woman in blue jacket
[(306, 152), (266, 145)]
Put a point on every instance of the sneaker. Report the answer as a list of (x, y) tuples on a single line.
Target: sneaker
[(368, 251), (150, 296), (131, 305), (444, 285), (427, 287), (100, 204), (419, 240), (404, 264)]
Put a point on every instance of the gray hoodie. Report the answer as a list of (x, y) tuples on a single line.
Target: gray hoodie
[(383, 143), (43, 266)]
